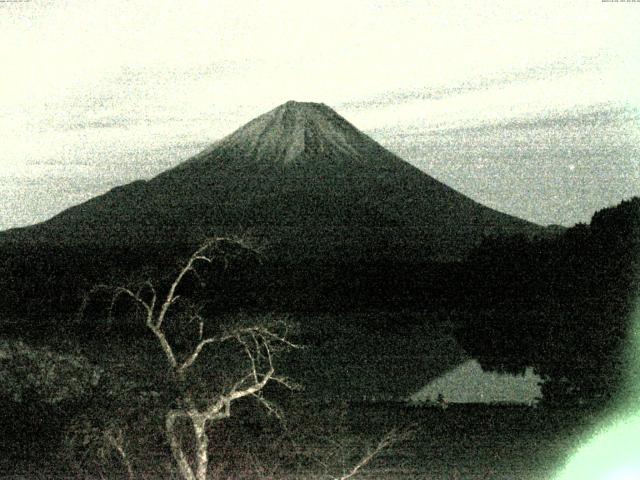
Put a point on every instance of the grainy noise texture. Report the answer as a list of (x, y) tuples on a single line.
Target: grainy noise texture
[(319, 240)]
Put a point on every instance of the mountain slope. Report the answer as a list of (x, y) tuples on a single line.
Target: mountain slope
[(300, 178)]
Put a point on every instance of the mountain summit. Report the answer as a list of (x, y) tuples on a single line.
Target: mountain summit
[(297, 134), (302, 179), (294, 131)]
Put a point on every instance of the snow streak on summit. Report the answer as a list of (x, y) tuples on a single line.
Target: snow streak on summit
[(294, 129), (296, 133)]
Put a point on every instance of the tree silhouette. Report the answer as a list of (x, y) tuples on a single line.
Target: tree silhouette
[(560, 305)]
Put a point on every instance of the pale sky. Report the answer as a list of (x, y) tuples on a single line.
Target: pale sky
[(532, 108)]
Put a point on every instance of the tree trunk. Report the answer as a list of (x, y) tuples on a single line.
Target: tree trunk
[(202, 444), (185, 470)]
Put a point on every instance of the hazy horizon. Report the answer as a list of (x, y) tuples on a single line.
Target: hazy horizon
[(527, 109)]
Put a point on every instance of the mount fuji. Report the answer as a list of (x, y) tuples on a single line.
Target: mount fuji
[(302, 179)]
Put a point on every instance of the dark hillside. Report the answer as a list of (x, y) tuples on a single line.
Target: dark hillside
[(561, 305)]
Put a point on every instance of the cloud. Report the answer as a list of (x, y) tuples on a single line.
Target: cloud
[(546, 71)]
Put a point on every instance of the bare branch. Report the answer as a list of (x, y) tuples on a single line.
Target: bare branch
[(271, 408), (218, 410), (267, 338), (119, 291), (254, 388), (164, 344), (171, 297), (366, 459), (202, 258), (117, 442), (252, 360), (278, 338), (390, 438), (194, 312), (196, 351), (286, 382)]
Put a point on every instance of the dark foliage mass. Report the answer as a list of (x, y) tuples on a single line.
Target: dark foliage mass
[(558, 303), (561, 305), (47, 283)]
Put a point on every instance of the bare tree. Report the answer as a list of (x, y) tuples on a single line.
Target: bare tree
[(259, 344), (351, 464), (389, 439), (330, 449)]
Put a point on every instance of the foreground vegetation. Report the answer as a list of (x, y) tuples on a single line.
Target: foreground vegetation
[(464, 442), (208, 369), (156, 377)]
